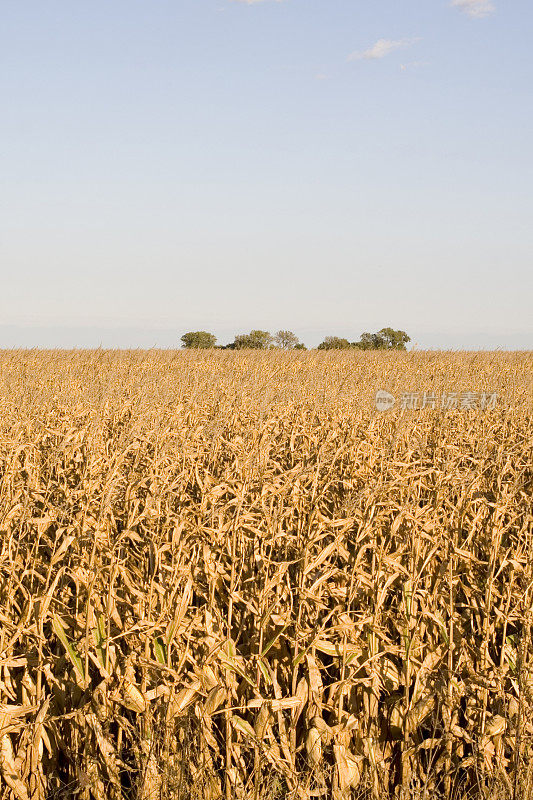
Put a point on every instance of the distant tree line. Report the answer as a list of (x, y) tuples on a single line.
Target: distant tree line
[(385, 339)]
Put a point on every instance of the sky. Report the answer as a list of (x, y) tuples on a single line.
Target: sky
[(325, 166)]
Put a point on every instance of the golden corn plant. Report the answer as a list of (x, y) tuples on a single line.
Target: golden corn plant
[(227, 575)]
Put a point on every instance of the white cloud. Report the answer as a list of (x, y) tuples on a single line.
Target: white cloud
[(382, 48), (475, 8), (413, 65)]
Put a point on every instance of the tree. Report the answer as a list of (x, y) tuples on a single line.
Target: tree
[(393, 340), (334, 343), (255, 340), (299, 346), (385, 339), (198, 340), (368, 341), (287, 340)]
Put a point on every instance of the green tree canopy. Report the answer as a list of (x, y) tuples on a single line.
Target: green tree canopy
[(287, 340), (255, 340), (394, 340), (198, 340), (385, 339), (334, 343), (368, 341)]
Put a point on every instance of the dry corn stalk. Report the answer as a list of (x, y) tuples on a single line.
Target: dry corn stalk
[(226, 572)]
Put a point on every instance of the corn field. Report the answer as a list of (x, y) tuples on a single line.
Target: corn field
[(227, 575)]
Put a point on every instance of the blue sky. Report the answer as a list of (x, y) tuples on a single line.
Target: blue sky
[(329, 166)]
